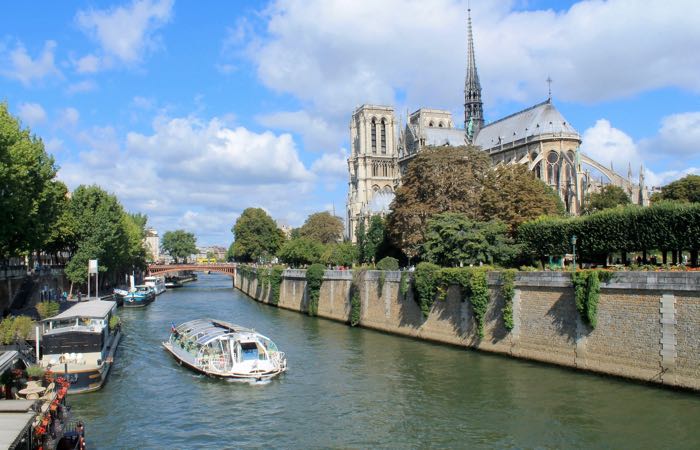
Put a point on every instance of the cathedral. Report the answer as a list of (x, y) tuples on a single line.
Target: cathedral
[(538, 136)]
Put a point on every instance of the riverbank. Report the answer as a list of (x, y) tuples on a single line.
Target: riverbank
[(648, 322)]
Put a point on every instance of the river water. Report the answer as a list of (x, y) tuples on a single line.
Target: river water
[(354, 388)]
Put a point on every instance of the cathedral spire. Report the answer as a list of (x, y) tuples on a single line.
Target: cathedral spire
[(473, 110)]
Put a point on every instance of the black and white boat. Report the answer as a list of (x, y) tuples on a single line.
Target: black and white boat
[(222, 349), (80, 344)]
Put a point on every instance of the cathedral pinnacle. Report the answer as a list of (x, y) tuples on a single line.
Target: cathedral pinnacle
[(473, 109)]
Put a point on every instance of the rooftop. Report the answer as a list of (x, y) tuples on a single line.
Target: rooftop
[(93, 308)]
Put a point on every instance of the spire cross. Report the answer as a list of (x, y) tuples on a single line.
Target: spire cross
[(549, 86)]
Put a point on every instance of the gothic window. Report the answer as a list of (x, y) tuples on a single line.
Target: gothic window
[(374, 136), (374, 169), (538, 171), (383, 136), (431, 124), (440, 125)]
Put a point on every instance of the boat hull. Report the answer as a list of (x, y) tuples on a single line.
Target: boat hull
[(90, 380), (137, 301)]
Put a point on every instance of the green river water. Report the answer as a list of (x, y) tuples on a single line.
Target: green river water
[(356, 388)]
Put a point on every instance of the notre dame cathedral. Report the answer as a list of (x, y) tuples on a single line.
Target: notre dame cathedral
[(538, 136)]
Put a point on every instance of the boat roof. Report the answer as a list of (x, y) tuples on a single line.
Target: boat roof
[(7, 359), (93, 308), (15, 417), (209, 329)]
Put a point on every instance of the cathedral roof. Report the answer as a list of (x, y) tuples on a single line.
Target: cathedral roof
[(443, 136), (543, 118)]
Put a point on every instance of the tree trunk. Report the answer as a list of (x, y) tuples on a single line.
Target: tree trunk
[(694, 258), (674, 257), (644, 257), (623, 254), (664, 256)]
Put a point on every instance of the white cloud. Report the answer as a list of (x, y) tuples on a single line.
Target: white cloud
[(193, 173), (32, 114), (67, 117), (87, 64), (607, 145), (332, 165), (81, 86), (679, 135), (143, 103), (19, 65), (126, 32), (667, 176), (317, 133), (54, 145)]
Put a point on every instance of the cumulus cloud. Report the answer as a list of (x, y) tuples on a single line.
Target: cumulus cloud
[(679, 136), (193, 173), (19, 65), (125, 33), (317, 133), (87, 64), (67, 118), (32, 114), (81, 87), (607, 145)]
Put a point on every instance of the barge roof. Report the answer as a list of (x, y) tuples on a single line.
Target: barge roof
[(93, 308)]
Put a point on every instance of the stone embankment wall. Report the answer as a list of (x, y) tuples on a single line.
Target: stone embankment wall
[(648, 322)]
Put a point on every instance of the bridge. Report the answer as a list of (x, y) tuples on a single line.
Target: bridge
[(162, 269)]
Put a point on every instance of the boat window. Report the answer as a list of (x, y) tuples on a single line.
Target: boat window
[(249, 350)]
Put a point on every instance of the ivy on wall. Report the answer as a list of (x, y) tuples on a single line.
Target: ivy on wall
[(587, 293), (275, 280), (508, 292), (314, 279), (404, 284), (358, 276)]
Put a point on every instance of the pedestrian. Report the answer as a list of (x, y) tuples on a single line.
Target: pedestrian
[(80, 296)]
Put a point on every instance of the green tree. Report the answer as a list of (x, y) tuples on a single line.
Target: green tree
[(256, 236), (301, 251), (26, 189), (99, 230), (340, 254), (229, 253), (442, 179), (361, 239), (322, 227), (453, 240), (687, 189), (610, 196), (136, 254), (179, 244), (376, 235), (513, 195)]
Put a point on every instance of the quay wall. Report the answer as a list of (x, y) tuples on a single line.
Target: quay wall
[(648, 322)]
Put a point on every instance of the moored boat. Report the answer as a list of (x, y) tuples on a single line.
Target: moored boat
[(157, 283), (139, 297), (222, 349), (80, 344)]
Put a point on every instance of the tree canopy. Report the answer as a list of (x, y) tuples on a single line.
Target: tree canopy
[(322, 227), (439, 179), (179, 244), (687, 189), (257, 236), (301, 251), (27, 188), (610, 196)]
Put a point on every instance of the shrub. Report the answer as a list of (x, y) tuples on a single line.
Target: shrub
[(47, 309), (19, 327), (114, 322), (404, 284), (35, 371), (388, 263), (508, 292), (275, 284), (426, 285)]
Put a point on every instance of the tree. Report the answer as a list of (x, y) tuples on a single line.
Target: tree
[(340, 254), (440, 179), (453, 239), (256, 236), (513, 195), (301, 251), (610, 196), (26, 188), (687, 189), (361, 238), (322, 227), (179, 244), (98, 228), (375, 238)]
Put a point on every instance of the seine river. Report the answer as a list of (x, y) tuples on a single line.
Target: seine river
[(355, 388)]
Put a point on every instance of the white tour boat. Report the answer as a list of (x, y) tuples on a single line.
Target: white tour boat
[(157, 283), (221, 349)]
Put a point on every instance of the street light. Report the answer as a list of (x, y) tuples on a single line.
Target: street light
[(573, 243)]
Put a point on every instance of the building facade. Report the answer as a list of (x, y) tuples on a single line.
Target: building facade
[(538, 136), (153, 244)]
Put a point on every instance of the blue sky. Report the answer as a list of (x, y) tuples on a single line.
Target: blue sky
[(190, 113)]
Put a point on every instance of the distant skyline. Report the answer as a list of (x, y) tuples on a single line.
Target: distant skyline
[(192, 112)]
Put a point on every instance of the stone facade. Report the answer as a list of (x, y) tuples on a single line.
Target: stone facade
[(647, 330)]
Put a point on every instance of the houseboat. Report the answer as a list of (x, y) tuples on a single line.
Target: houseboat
[(80, 344), (139, 296), (157, 283), (221, 349)]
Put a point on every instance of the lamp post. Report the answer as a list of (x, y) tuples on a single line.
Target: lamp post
[(573, 244)]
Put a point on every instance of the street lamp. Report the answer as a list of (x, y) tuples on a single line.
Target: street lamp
[(573, 244)]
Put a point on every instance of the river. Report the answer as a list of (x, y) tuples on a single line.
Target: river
[(354, 388)]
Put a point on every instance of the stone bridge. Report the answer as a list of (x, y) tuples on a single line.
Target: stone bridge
[(162, 269)]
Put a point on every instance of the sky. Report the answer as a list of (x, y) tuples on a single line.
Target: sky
[(190, 112)]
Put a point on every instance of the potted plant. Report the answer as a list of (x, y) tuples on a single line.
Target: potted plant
[(35, 372)]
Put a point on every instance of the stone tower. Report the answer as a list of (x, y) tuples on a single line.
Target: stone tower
[(473, 106), (372, 164)]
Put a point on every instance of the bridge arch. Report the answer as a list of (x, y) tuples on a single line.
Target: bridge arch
[(162, 269)]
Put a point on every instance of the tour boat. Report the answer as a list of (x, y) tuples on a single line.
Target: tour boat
[(157, 283), (80, 345), (172, 282), (225, 350), (139, 297)]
